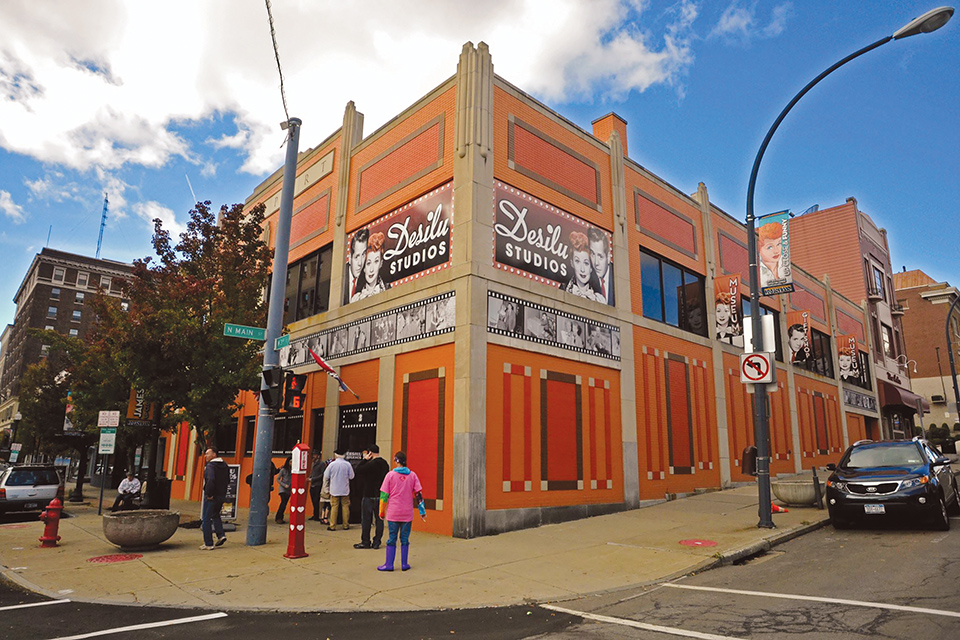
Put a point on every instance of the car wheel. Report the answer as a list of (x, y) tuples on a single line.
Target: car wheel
[(941, 520)]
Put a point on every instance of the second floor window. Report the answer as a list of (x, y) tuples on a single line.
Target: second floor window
[(821, 355), (79, 298), (671, 294)]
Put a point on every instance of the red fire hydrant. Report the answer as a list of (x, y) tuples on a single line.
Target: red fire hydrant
[(51, 517)]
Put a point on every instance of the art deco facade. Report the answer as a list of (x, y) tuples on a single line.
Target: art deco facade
[(530, 314)]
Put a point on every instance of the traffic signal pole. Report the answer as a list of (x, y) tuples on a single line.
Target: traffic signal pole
[(260, 485)]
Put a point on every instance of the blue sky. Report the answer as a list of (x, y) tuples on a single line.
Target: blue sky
[(144, 101)]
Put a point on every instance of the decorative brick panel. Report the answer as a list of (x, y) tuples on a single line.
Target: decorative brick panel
[(733, 256), (847, 324), (540, 157), (803, 298), (411, 158), (667, 225), (310, 220)]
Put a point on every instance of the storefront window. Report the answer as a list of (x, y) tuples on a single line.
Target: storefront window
[(671, 294), (821, 355)]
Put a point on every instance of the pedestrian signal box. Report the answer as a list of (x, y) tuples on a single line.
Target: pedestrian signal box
[(294, 392), (271, 390)]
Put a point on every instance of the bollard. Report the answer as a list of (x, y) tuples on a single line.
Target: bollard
[(298, 499), (51, 518), (817, 495)]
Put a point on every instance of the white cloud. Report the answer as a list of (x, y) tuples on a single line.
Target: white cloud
[(151, 210), (10, 208), (106, 83), (741, 24)]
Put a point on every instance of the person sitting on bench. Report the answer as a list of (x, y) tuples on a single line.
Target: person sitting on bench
[(128, 490)]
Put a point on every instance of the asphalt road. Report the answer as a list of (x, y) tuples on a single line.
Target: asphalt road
[(897, 565)]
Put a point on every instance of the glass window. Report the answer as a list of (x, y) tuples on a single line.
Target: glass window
[(821, 355), (76, 315), (308, 286), (44, 350), (74, 332), (105, 282), (249, 433), (58, 274), (878, 282), (55, 293), (226, 438), (287, 432), (306, 298), (650, 286), (887, 336), (49, 327), (124, 306), (82, 278), (52, 313), (671, 294), (78, 298)]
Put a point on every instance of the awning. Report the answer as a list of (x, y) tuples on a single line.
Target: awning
[(892, 395)]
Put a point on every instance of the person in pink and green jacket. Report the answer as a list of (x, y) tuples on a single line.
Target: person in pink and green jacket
[(399, 492)]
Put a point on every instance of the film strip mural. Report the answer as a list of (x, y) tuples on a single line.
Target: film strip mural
[(509, 316), (422, 319)]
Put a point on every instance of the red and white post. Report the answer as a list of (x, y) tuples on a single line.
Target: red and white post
[(298, 500)]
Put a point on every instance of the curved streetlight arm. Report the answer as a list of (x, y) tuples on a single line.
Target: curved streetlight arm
[(953, 366)]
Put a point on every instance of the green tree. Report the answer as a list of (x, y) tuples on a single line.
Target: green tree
[(169, 340)]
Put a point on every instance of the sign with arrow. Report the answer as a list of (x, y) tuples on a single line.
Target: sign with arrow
[(756, 368)]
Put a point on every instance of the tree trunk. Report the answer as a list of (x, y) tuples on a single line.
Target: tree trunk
[(77, 494), (150, 452)]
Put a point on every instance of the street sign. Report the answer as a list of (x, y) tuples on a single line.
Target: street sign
[(108, 419), (15, 451), (241, 331), (108, 440), (756, 368), (282, 342)]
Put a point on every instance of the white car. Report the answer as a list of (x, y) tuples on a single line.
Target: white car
[(29, 487)]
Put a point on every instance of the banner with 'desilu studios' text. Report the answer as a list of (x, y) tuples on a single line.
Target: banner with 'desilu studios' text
[(537, 240)]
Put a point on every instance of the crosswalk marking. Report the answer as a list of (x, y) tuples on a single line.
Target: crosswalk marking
[(639, 625), (149, 625), (32, 604)]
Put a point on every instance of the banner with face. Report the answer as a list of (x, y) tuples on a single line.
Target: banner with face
[(848, 357), (798, 335), (546, 244), (397, 247), (729, 323), (773, 252)]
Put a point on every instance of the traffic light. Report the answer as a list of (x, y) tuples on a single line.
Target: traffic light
[(294, 391), (271, 391)]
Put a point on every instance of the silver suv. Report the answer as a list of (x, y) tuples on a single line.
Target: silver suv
[(29, 487)]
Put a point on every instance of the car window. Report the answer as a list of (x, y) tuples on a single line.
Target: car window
[(898, 456), (31, 477)]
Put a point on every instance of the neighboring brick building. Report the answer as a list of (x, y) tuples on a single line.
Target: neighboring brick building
[(453, 266), (925, 303), (844, 244), (54, 294)]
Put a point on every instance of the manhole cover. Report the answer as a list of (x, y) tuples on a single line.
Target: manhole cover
[(15, 526), (698, 543), (116, 557)]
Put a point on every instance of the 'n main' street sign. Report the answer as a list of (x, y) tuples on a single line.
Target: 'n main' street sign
[(241, 331)]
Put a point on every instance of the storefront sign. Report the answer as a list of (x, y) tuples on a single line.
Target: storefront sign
[(229, 509), (537, 240), (859, 400), (892, 377), (773, 251), (509, 316), (412, 241)]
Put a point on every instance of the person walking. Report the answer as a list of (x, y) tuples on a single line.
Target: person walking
[(398, 493), (283, 482), (216, 476), (340, 473), (370, 472), (317, 468)]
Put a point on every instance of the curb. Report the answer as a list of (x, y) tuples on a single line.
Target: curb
[(768, 543)]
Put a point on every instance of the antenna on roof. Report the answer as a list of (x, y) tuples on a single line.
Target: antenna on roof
[(103, 223)]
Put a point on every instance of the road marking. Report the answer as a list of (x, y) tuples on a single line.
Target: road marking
[(33, 604), (149, 625), (787, 596), (639, 625)]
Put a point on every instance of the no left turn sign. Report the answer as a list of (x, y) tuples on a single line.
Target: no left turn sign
[(756, 368)]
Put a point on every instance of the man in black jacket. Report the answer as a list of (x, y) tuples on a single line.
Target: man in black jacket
[(370, 473), (216, 476)]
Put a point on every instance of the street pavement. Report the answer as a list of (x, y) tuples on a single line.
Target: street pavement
[(551, 563)]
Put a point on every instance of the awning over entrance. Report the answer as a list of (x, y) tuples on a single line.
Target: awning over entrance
[(892, 395)]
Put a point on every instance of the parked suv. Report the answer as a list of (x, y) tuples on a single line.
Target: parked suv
[(29, 487), (876, 480)]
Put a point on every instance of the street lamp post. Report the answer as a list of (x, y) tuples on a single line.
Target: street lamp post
[(953, 366), (930, 21)]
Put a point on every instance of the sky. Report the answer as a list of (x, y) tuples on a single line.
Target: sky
[(160, 104)]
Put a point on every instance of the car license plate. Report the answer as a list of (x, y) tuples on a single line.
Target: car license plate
[(874, 508), (31, 505)]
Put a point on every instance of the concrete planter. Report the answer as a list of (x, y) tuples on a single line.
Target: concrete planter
[(140, 530), (794, 493)]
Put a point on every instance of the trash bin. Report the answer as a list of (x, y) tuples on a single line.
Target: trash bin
[(160, 495)]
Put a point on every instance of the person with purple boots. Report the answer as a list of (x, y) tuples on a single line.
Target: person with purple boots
[(399, 492)]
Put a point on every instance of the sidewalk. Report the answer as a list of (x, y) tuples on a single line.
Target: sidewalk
[(549, 563)]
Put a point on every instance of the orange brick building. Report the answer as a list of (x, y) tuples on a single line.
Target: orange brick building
[(530, 314)]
